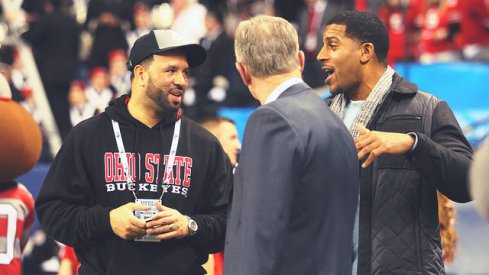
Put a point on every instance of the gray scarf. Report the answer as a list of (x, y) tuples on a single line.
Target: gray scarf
[(374, 99)]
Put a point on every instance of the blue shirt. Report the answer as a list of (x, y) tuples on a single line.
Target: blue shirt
[(351, 111)]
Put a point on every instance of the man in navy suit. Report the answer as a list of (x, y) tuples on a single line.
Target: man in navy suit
[(296, 185)]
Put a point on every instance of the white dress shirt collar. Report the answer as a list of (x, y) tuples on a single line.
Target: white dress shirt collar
[(281, 88)]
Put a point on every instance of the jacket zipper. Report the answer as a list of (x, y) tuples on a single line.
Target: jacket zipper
[(401, 117)]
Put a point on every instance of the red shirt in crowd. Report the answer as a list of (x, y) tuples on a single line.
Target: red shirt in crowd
[(474, 24), (400, 24), (434, 21)]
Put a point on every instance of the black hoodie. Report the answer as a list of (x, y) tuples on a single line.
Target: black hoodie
[(86, 181)]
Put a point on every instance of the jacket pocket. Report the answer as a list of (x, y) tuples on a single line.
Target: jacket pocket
[(398, 124)]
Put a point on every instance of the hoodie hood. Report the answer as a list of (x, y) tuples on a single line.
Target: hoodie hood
[(117, 110)]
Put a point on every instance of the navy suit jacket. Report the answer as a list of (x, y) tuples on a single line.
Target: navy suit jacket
[(295, 191)]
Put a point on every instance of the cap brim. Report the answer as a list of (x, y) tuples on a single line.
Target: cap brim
[(195, 53)]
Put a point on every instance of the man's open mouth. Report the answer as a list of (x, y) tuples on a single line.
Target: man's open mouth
[(328, 71)]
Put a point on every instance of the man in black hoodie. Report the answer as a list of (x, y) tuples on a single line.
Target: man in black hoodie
[(140, 188)]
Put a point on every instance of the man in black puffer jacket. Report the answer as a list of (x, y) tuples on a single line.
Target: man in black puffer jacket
[(409, 143)]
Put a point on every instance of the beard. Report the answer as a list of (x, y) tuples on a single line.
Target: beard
[(160, 98)]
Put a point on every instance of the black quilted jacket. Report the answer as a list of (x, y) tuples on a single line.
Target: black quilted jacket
[(399, 229)]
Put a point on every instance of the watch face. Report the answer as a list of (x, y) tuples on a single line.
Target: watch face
[(192, 225)]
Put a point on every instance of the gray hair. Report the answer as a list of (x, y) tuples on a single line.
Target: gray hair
[(267, 45)]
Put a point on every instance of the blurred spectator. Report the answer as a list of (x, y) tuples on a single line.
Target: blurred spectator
[(237, 95), (142, 23), (361, 5), (399, 18), (239, 10), (211, 78), (33, 9), (120, 77), (7, 67), (312, 20), (440, 21), (41, 256), (108, 35), (262, 7), (123, 10), (98, 92), (68, 261), (473, 38), (226, 132), (55, 39), (80, 108), (29, 104), (347, 4), (289, 9), (189, 19), (372, 6)]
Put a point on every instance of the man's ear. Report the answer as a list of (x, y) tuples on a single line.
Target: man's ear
[(302, 60), (140, 75), (243, 72), (367, 52)]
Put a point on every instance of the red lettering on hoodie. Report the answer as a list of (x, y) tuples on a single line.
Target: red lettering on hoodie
[(149, 161), (118, 168), (178, 163), (188, 171), (132, 164), (109, 167)]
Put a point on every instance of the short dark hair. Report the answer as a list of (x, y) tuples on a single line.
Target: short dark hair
[(365, 27), (145, 63)]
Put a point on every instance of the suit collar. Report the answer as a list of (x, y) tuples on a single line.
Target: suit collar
[(281, 88), (295, 89)]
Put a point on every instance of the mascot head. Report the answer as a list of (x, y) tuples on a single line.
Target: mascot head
[(20, 137)]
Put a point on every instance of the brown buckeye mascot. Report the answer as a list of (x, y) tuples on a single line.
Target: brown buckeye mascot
[(20, 149)]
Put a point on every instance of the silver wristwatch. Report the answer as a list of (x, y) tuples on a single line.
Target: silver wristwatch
[(192, 226)]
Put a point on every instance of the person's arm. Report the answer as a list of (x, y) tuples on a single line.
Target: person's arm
[(212, 218), (65, 205), (211, 214), (444, 158), (263, 192)]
